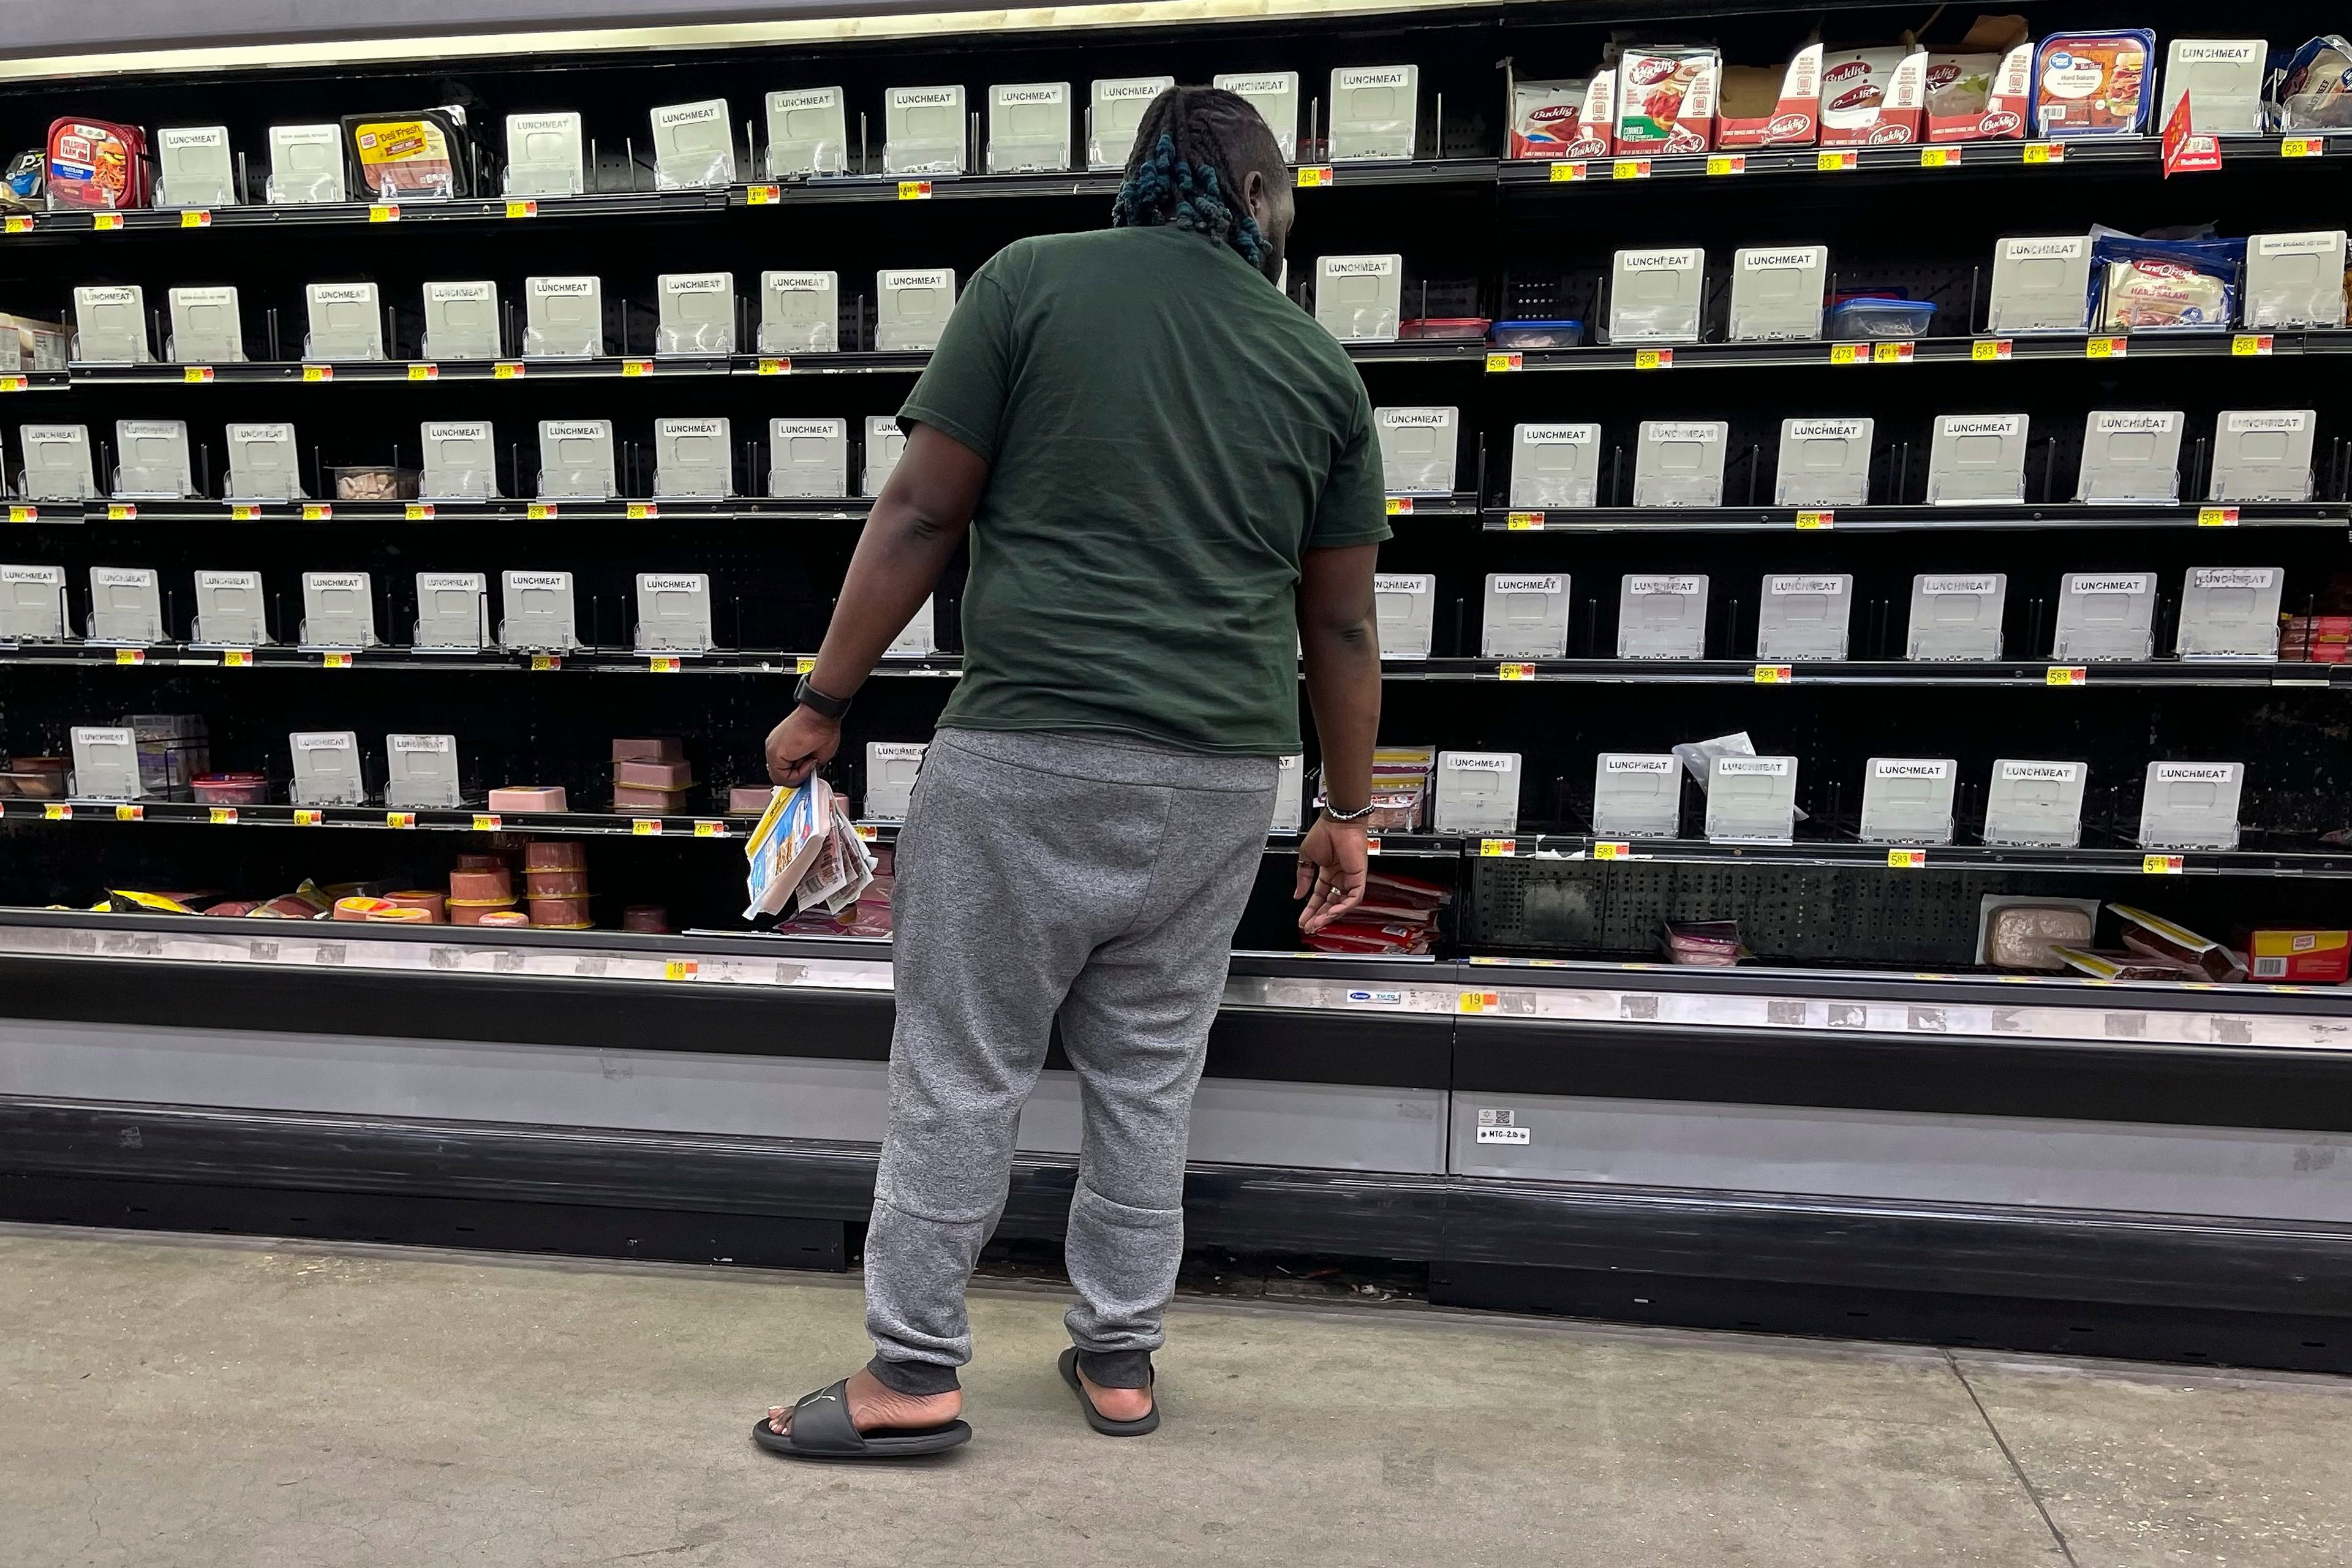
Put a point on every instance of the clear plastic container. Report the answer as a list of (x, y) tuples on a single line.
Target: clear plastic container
[(1539, 334), (1445, 330), (373, 481), (1866, 321)]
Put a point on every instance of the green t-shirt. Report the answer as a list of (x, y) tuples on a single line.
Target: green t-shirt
[(1167, 435)]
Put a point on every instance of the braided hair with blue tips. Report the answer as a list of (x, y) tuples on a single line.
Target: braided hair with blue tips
[(1194, 148)]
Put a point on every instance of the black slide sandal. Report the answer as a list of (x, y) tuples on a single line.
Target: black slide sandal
[(820, 1429), (1147, 1422)]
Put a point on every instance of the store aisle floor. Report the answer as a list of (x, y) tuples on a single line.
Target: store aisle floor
[(184, 1404)]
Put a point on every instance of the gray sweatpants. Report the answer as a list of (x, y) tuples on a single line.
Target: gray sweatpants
[(1044, 878)]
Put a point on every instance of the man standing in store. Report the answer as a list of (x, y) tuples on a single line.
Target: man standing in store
[(1168, 473)]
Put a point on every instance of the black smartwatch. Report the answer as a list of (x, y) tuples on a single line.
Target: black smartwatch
[(807, 696)]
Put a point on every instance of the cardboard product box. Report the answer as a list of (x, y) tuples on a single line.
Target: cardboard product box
[(1874, 97), (2298, 954), (1596, 128), (1666, 102), (1978, 97), (1548, 118), (1767, 106)]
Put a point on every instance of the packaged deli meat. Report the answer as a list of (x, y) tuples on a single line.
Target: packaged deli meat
[(2094, 84), (1665, 99), (2154, 285), (2153, 936), (2315, 87), (2304, 955), (482, 886), (1770, 106), (2015, 932), (1983, 90), (422, 154), (651, 919), (96, 165), (504, 918), (1873, 97), (527, 798), (556, 884), (1547, 115), (555, 855)]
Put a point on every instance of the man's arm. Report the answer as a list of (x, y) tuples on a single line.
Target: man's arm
[(918, 522), (1339, 639)]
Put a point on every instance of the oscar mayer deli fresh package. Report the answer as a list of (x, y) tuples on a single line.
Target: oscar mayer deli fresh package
[(1873, 97), (1665, 101), (2094, 84), (94, 165), (413, 156), (2298, 954)]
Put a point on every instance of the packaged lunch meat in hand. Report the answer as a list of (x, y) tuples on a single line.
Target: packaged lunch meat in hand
[(2095, 84), (1665, 99)]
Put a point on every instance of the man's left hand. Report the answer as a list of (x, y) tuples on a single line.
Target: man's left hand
[(803, 743)]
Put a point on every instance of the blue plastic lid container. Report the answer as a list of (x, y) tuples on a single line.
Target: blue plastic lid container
[(1862, 320)]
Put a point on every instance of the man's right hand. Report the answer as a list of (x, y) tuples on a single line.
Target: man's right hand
[(1332, 865), (803, 743)]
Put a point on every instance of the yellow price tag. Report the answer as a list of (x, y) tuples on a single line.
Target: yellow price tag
[(2217, 517), (336, 660), (1498, 848), (1311, 176), (1516, 672), (1524, 522), (508, 370), (236, 658), (2106, 348), (1891, 353), (399, 819), (120, 512), (486, 823), (662, 664), (129, 813), (1629, 169), (224, 816), (197, 375), (2248, 345), (23, 514), (642, 511), (914, 190), (15, 382), (1613, 850), (1906, 859), (775, 367), (21, 222), (2160, 864), (1990, 349), (708, 829), (130, 656), (105, 222), (316, 512), (418, 512), (1775, 675), (1480, 1001), (1728, 163), (1561, 173), (2043, 153), (57, 811), (2302, 147), (1815, 520), (1496, 363), (1938, 157), (522, 209), (244, 512), (1849, 354), (541, 511), (317, 372), (424, 372), (546, 661), (636, 367), (384, 212), (804, 664), (1400, 505), (1653, 359), (765, 196), (680, 969), (1834, 162), (309, 819), (2066, 675), (647, 828)]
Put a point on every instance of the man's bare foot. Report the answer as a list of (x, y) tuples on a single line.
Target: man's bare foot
[(876, 1409), (1116, 1404)]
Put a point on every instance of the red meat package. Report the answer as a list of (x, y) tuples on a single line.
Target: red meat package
[(1665, 99), (96, 165), (1873, 97)]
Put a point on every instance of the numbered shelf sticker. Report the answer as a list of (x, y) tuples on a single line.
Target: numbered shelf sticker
[(647, 828), (2302, 147), (1629, 169), (1525, 521), (1314, 176), (1906, 859), (309, 819), (1561, 173), (508, 370), (2107, 348), (1837, 163), (1480, 1001), (1812, 519), (129, 813), (708, 829), (385, 211), (486, 823), (775, 367), (522, 209), (399, 819), (1938, 157), (1613, 850), (1728, 163), (2043, 153), (236, 658), (680, 969), (224, 816), (2217, 517), (57, 811), (1893, 353), (1514, 671), (543, 511), (2250, 345), (1775, 675), (665, 664), (546, 661), (1502, 363), (336, 660), (2160, 864), (765, 196), (1499, 849), (1400, 505), (1653, 359), (2067, 675), (130, 656), (914, 190), (197, 374)]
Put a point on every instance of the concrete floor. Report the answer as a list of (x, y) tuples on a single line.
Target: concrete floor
[(189, 1403)]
